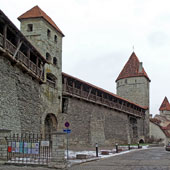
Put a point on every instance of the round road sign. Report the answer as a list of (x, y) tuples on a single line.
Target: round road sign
[(67, 124)]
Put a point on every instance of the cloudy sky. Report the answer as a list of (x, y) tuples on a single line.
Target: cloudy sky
[(100, 35)]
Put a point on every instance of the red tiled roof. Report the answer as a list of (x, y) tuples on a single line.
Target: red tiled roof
[(112, 94), (131, 69), (165, 129), (36, 12), (155, 121), (165, 105), (167, 133)]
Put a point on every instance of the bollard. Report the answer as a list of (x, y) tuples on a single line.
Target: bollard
[(116, 148), (128, 146), (138, 145), (96, 149)]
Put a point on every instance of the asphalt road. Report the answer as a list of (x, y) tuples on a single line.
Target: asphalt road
[(149, 159)]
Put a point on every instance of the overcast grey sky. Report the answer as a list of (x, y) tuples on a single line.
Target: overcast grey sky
[(100, 34)]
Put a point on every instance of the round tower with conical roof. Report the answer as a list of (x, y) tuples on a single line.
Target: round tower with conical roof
[(133, 84), (165, 108)]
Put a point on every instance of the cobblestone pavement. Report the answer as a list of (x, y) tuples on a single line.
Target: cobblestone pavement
[(150, 159)]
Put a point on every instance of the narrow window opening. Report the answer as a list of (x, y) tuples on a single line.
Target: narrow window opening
[(51, 80), (55, 38), (48, 57), (64, 105), (30, 27), (48, 33), (54, 60)]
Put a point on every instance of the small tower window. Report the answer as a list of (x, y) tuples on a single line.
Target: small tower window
[(48, 33), (54, 60), (55, 38), (30, 27), (48, 57), (51, 80)]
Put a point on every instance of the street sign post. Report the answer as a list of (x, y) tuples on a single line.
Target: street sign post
[(67, 124)]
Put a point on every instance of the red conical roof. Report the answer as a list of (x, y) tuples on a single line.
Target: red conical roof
[(36, 12), (165, 105), (131, 69)]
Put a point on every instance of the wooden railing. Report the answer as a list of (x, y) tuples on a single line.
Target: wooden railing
[(21, 57), (99, 100)]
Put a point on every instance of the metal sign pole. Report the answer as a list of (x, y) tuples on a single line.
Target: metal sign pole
[(67, 144), (67, 124)]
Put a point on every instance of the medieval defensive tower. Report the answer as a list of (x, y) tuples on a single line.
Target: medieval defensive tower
[(45, 35), (133, 84), (165, 108)]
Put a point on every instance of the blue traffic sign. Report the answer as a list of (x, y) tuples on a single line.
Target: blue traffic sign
[(67, 130)]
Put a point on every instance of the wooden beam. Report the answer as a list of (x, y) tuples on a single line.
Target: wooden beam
[(102, 97), (89, 93), (65, 82), (37, 65), (5, 35), (16, 51), (81, 89)]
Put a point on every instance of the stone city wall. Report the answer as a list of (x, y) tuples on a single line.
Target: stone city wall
[(91, 123), (24, 103)]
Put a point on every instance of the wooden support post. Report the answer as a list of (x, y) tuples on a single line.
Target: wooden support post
[(89, 93), (41, 68), (28, 55), (73, 91), (5, 35), (65, 82), (37, 65), (96, 95), (121, 105), (102, 98), (81, 90), (18, 47)]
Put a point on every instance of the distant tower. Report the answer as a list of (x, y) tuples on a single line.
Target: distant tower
[(165, 108), (133, 84), (45, 35)]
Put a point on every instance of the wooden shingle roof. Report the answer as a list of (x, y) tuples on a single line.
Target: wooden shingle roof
[(131, 69), (36, 12)]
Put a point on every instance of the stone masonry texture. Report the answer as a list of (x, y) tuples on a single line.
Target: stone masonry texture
[(24, 103), (91, 124), (136, 89)]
